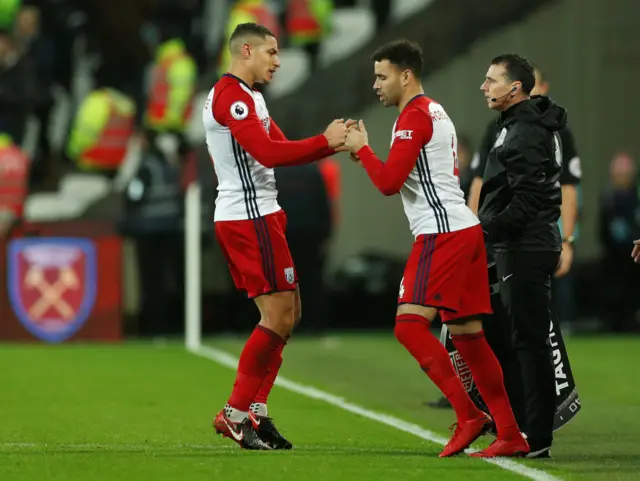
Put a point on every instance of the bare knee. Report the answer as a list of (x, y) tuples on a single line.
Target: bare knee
[(277, 312), (461, 327)]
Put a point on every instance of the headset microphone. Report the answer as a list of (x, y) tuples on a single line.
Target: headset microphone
[(495, 99)]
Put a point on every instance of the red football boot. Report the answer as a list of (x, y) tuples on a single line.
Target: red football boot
[(516, 448), (242, 433), (466, 433)]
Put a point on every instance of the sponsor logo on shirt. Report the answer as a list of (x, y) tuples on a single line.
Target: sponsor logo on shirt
[(403, 134)]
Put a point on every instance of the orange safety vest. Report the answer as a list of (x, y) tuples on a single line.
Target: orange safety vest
[(301, 22), (330, 171), (159, 95), (263, 16), (111, 148), (14, 170)]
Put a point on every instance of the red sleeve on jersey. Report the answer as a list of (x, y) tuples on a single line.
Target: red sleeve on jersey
[(235, 108), (276, 134), (413, 131)]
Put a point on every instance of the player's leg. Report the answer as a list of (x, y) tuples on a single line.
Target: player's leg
[(468, 338), (259, 410), (419, 300), (285, 279), (259, 406), (253, 254)]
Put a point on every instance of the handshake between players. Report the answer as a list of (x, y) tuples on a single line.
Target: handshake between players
[(346, 136)]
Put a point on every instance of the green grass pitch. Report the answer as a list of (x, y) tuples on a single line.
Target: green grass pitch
[(142, 411)]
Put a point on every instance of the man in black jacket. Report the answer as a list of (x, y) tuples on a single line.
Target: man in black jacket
[(519, 210), (569, 180)]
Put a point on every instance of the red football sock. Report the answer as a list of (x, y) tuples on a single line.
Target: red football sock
[(270, 378), (262, 347), (413, 333), (487, 374)]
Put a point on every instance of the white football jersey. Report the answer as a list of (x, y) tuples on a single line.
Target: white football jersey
[(432, 198), (246, 189)]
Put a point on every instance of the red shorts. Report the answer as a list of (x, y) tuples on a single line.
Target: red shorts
[(257, 253), (448, 272)]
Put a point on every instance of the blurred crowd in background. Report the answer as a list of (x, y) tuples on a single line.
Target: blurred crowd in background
[(86, 85)]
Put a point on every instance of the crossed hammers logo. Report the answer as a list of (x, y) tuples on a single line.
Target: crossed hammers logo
[(51, 294)]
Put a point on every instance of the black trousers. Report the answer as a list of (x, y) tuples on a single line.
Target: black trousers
[(308, 253), (525, 292), (161, 267)]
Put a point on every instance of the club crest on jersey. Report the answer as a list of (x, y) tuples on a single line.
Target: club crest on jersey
[(403, 134), (239, 110), (52, 285), (289, 276)]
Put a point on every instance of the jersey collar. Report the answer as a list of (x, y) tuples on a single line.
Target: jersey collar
[(238, 79), (413, 98)]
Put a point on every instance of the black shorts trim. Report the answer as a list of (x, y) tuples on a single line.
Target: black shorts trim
[(274, 292)]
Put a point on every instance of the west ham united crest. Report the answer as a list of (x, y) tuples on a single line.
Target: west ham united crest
[(52, 285)]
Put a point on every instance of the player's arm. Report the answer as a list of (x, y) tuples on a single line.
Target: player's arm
[(235, 108), (390, 176), (569, 209), (524, 162), (478, 166), (569, 179), (474, 194), (277, 134)]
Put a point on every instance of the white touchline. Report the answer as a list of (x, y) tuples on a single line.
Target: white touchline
[(20, 446), (227, 360)]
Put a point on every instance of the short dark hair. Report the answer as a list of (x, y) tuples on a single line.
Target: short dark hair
[(518, 68), (403, 53), (251, 29)]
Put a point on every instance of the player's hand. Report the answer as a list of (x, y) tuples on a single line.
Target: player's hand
[(357, 137), (635, 253), (348, 124), (336, 133), (566, 260), (351, 123)]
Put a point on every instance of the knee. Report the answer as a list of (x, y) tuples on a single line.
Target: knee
[(282, 317), (279, 316)]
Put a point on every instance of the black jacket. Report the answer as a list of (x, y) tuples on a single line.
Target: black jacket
[(571, 168), (301, 190), (520, 197)]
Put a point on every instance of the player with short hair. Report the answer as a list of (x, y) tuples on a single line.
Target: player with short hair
[(447, 268), (245, 145)]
